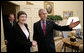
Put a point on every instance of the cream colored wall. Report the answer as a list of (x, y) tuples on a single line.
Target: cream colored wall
[(32, 12), (75, 6), (18, 2), (59, 7), (3, 46)]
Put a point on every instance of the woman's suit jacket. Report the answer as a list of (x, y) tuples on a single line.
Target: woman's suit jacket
[(19, 39)]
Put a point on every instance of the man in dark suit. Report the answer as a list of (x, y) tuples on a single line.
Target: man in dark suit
[(8, 29), (43, 32)]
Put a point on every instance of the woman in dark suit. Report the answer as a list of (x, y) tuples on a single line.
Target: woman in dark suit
[(21, 41)]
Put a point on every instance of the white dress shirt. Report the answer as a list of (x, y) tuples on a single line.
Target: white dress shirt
[(11, 23), (26, 33)]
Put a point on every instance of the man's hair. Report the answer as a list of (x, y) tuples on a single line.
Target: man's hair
[(39, 12), (11, 14), (20, 13)]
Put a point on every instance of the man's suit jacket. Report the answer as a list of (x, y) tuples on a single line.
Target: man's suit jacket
[(8, 33), (8, 30), (46, 42), (19, 41)]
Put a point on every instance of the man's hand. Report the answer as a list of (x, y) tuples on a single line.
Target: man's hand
[(34, 43), (74, 24), (6, 42)]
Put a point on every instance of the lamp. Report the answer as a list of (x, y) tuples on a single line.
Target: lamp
[(73, 38)]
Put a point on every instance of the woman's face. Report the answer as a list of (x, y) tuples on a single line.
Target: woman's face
[(22, 18)]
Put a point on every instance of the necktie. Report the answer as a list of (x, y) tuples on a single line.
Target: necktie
[(44, 28)]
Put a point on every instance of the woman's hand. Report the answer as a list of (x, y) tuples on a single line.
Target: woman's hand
[(34, 43)]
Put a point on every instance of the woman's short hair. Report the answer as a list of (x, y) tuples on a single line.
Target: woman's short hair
[(20, 13)]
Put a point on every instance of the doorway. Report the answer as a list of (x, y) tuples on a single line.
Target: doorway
[(7, 8)]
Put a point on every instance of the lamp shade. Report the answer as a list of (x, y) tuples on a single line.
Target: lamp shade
[(74, 20)]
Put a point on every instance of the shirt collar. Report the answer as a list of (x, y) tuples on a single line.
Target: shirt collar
[(11, 22), (44, 21)]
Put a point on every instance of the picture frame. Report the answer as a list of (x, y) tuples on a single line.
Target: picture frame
[(67, 14), (49, 6)]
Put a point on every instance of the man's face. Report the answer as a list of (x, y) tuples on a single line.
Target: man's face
[(11, 17), (43, 15)]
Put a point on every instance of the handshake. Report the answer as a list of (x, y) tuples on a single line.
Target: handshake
[(34, 43)]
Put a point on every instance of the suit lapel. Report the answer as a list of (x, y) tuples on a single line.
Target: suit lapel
[(47, 24), (41, 30), (21, 32), (28, 30), (10, 24)]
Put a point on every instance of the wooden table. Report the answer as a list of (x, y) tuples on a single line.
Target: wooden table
[(68, 43)]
